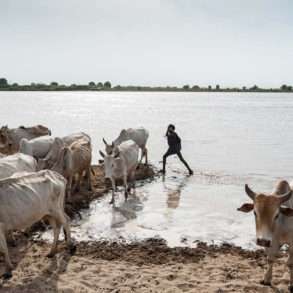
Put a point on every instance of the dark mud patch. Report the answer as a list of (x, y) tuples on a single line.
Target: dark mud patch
[(155, 251)]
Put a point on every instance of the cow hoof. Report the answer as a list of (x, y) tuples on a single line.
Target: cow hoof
[(265, 283), (111, 201), (50, 255), (12, 243), (7, 275), (290, 288), (72, 249)]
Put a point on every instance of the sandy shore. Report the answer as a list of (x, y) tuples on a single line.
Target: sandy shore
[(144, 267), (149, 266)]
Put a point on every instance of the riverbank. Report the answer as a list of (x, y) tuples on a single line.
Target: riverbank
[(149, 266)]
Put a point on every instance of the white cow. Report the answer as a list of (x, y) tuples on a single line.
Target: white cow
[(274, 224), (16, 163), (58, 144), (121, 164), (25, 199), (138, 135), (37, 147)]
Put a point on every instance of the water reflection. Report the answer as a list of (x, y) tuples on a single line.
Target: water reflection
[(126, 211), (174, 192)]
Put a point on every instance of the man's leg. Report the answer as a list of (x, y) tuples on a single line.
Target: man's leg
[(184, 162), (167, 154)]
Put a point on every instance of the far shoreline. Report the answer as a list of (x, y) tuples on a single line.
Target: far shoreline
[(147, 91)]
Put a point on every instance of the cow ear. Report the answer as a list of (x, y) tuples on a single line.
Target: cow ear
[(59, 142), (102, 154), (286, 211), (246, 208)]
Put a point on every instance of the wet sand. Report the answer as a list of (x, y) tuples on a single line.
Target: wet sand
[(147, 266)]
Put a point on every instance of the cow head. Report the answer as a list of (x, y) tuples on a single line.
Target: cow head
[(108, 147), (6, 143), (111, 163), (267, 210)]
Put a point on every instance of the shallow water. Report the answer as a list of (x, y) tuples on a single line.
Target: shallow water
[(229, 139)]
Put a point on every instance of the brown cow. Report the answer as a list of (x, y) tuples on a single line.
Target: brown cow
[(274, 224), (73, 161)]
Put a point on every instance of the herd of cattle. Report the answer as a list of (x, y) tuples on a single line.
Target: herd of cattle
[(38, 171)]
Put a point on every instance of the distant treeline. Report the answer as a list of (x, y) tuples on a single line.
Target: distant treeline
[(107, 86)]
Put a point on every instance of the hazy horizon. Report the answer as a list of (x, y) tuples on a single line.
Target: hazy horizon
[(167, 42)]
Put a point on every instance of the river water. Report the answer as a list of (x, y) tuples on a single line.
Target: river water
[(229, 139)]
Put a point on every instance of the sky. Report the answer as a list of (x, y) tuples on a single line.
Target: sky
[(148, 42)]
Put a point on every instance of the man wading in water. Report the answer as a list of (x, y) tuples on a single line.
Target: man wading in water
[(174, 143)]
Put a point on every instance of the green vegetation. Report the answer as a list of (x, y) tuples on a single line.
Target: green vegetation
[(107, 86)]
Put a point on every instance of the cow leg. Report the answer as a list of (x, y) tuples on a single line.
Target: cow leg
[(89, 182), (290, 266), (63, 220), (56, 230), (113, 190), (146, 155), (68, 187), (125, 186), (141, 156), (77, 183), (4, 250), (271, 257), (10, 239), (132, 178)]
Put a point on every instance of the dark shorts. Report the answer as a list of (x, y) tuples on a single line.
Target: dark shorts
[(172, 151)]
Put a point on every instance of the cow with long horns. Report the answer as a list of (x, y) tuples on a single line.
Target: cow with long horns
[(274, 224)]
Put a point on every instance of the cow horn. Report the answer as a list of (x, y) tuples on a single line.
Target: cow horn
[(249, 192), (104, 141), (285, 197)]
